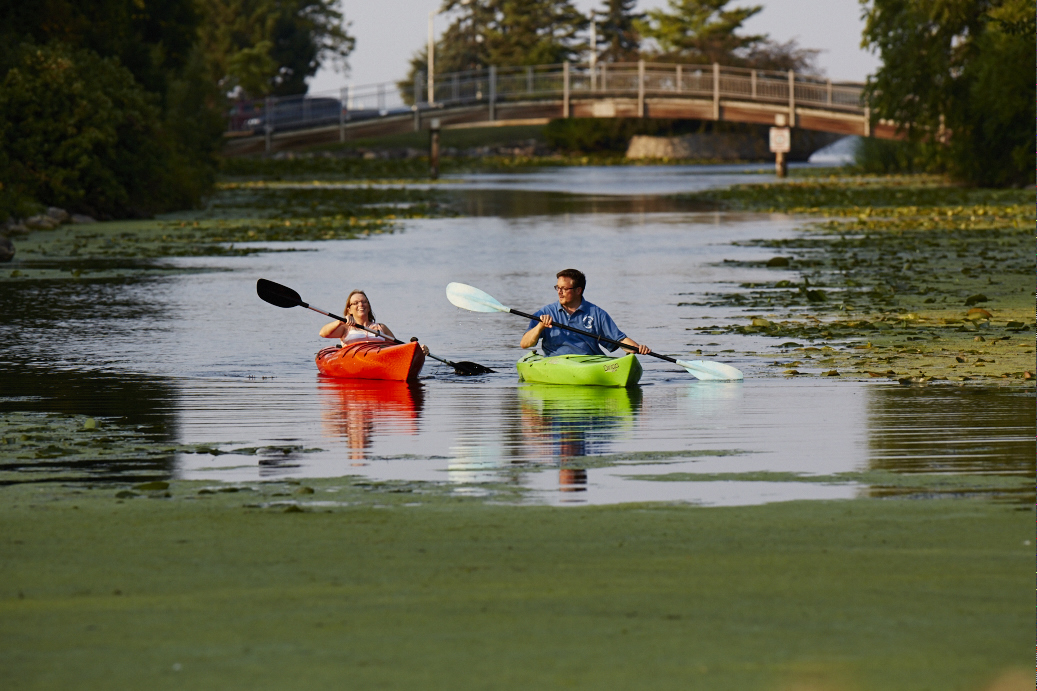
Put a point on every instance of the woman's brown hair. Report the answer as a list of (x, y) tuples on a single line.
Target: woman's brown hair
[(360, 292)]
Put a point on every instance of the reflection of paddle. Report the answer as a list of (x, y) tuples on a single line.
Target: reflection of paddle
[(475, 300), (283, 296)]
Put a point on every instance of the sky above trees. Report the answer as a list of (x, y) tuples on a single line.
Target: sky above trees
[(388, 34)]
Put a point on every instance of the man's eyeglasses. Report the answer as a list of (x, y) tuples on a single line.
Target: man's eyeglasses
[(561, 289)]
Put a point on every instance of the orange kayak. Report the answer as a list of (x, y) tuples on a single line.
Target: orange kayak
[(372, 360)]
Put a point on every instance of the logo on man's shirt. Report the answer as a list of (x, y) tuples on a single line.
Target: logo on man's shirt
[(588, 322)]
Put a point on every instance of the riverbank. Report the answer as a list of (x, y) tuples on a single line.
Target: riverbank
[(276, 585)]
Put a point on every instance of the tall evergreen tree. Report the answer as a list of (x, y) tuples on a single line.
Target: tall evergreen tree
[(701, 31), (503, 33), (617, 30)]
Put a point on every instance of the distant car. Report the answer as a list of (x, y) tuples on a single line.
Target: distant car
[(297, 112)]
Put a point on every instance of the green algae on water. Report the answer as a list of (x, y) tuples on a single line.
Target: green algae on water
[(382, 590)]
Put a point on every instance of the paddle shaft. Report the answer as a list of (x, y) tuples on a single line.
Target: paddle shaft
[(595, 336), (364, 328)]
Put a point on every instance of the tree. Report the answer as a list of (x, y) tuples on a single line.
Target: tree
[(956, 77), (701, 31), (272, 46), (81, 133), (153, 40), (504, 33), (617, 30)]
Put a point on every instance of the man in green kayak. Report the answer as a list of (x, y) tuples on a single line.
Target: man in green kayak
[(572, 310)]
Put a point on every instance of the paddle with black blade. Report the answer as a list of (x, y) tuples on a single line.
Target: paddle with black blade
[(283, 296), (475, 300)]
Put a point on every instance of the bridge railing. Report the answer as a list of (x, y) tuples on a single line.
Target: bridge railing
[(493, 86)]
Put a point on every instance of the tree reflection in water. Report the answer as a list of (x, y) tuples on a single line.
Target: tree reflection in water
[(357, 409)]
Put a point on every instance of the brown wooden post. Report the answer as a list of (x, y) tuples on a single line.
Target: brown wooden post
[(640, 88), (716, 91), (792, 98), (565, 89)]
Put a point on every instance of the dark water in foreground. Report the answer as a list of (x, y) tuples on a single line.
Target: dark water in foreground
[(197, 358)]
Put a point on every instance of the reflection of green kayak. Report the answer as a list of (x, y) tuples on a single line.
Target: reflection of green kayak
[(580, 402), (584, 370)]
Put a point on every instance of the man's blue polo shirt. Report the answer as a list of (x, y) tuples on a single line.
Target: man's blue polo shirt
[(588, 317)]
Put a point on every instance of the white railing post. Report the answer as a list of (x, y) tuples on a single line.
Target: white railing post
[(867, 121), (716, 90), (829, 92), (604, 76), (343, 95), (417, 101), (792, 98), (679, 78), (752, 82), (640, 88), (565, 89), (493, 93), (529, 80), (268, 122)]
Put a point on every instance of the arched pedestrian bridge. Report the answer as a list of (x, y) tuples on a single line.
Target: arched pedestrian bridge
[(538, 94)]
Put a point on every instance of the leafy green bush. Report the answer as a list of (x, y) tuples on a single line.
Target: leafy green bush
[(80, 133)]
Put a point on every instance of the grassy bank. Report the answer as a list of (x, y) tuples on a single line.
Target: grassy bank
[(909, 277), (347, 584)]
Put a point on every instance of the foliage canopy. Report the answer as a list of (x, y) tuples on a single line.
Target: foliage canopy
[(957, 76)]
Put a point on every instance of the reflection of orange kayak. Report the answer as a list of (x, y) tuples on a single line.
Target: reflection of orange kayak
[(358, 409), (372, 360)]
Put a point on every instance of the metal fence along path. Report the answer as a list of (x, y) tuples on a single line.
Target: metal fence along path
[(539, 93)]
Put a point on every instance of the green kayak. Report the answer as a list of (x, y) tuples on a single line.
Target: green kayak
[(583, 370)]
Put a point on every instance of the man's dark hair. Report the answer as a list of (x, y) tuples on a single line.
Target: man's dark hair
[(577, 277)]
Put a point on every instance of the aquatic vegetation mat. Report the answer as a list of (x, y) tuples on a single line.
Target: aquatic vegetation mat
[(923, 280), (282, 585)]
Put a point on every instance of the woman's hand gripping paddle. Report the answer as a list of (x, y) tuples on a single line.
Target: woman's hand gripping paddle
[(475, 300), (283, 296)]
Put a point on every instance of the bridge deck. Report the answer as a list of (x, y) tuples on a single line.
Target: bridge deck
[(539, 94)]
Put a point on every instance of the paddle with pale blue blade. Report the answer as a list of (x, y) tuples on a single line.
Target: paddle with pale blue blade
[(474, 300)]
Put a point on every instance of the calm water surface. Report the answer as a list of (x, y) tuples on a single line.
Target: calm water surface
[(197, 358)]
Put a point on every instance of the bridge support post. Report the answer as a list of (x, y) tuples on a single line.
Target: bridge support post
[(493, 93), (640, 88), (716, 90), (792, 98), (433, 148), (565, 89), (867, 121)]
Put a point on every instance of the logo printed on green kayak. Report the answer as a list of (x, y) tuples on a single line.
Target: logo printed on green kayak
[(611, 367)]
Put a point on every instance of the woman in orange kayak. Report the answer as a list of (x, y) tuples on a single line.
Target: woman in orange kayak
[(358, 311)]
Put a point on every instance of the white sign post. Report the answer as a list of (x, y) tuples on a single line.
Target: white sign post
[(781, 144)]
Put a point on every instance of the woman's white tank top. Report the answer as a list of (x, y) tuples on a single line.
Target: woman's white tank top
[(355, 335)]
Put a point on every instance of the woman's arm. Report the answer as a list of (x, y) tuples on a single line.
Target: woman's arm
[(335, 329), (385, 330)]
